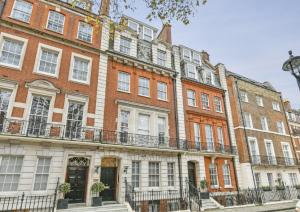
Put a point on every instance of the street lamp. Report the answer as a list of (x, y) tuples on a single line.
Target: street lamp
[(293, 66)]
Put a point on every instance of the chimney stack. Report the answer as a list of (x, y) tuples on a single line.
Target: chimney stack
[(165, 34), (104, 8), (205, 56), (287, 105)]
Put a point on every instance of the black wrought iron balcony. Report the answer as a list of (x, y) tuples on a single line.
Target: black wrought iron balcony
[(210, 147), (263, 160)]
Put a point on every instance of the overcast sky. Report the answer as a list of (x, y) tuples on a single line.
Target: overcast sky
[(251, 37)]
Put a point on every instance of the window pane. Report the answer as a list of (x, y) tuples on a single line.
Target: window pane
[(85, 31), (48, 61), (56, 21), (42, 173), (162, 91), (74, 120), (22, 10), (10, 169), (124, 82), (11, 52), (144, 87), (80, 69)]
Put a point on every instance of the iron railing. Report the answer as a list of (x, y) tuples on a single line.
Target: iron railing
[(168, 200), (262, 160), (210, 147), (40, 203)]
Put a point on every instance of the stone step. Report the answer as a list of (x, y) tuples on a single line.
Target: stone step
[(104, 208)]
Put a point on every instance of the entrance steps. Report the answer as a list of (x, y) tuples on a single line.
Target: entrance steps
[(104, 208), (208, 204)]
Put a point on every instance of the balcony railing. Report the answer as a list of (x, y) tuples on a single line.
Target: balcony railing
[(272, 160), (210, 147), (77, 133)]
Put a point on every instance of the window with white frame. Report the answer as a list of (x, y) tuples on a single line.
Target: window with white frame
[(276, 106), (191, 95), (287, 154), (162, 91), (85, 32), (196, 57), (148, 33), (161, 128), (42, 174), (124, 120), (48, 62), (270, 179), (293, 179), (171, 174), (144, 86), (123, 82), (270, 152), (161, 57), (213, 175), (264, 123), (154, 173), (11, 51), (218, 104), (125, 45), (56, 21), (186, 53), (4, 103), (197, 135), (257, 180), (191, 71), (143, 124), (22, 10), (220, 137), (254, 152), (135, 174), (205, 101), (209, 77), (38, 116), (226, 174), (244, 96), (133, 25), (259, 101), (74, 120), (80, 69), (248, 120), (10, 170), (209, 137), (280, 127)]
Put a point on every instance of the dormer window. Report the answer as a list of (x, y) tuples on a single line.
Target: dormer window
[(196, 57), (132, 25), (191, 71), (208, 78), (186, 54), (147, 34)]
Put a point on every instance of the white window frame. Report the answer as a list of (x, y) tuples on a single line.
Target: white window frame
[(157, 175), (38, 59), (4, 35), (184, 51), (160, 91), (218, 103), (215, 167), (197, 135), (147, 79), (171, 183), (12, 11), (210, 141), (282, 127), (271, 158), (257, 177), (47, 24), (227, 166), (254, 158), (35, 173), (194, 98), (191, 68), (134, 174), (92, 32), (259, 101), (129, 40), (161, 61), (10, 86), (293, 179), (264, 120), (128, 75), (89, 69), (245, 95), (205, 104), (137, 26), (276, 106), (195, 56), (289, 160), (250, 120), (144, 27)]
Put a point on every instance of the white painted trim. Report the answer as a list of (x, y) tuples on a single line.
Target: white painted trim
[(20, 39), (20, 104), (38, 59), (259, 130), (272, 147), (12, 10), (41, 192), (12, 86), (58, 110), (91, 33), (47, 23), (72, 65)]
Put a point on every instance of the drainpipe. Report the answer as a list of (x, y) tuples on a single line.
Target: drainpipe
[(177, 134), (2, 5), (245, 131), (230, 139)]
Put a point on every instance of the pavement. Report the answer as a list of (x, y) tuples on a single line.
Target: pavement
[(287, 206)]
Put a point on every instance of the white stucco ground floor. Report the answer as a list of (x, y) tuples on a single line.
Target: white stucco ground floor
[(269, 175)]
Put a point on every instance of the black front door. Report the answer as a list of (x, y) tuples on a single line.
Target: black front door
[(192, 173), (76, 176), (109, 178)]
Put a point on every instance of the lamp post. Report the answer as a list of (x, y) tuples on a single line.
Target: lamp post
[(292, 65)]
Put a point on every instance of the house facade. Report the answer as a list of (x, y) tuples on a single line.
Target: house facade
[(267, 156), (294, 125)]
